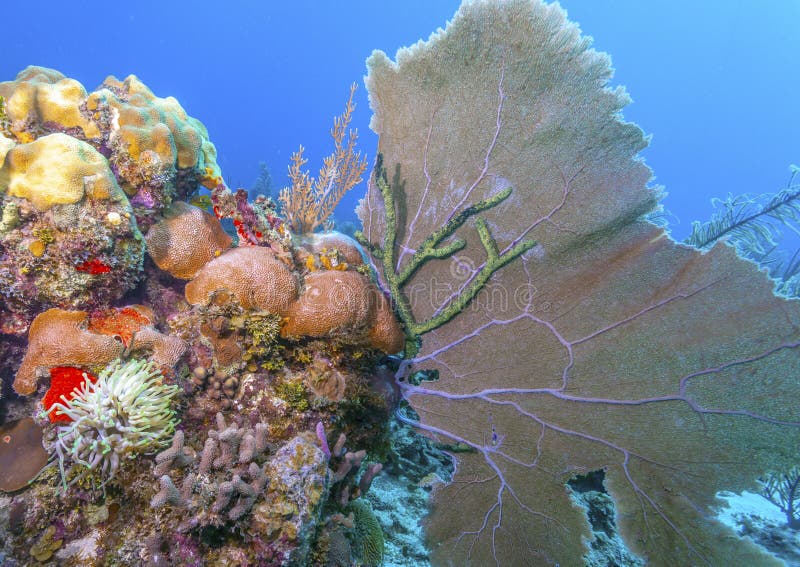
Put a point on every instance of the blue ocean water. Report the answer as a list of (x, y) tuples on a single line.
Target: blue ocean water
[(714, 82)]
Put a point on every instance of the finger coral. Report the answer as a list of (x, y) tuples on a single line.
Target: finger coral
[(604, 346)]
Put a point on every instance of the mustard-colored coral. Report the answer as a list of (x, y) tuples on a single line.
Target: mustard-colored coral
[(161, 125), (57, 170), (43, 96), (309, 202)]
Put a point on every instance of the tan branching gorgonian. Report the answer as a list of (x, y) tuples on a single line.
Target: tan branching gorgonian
[(309, 202)]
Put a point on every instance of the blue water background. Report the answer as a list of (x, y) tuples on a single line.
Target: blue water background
[(716, 83)]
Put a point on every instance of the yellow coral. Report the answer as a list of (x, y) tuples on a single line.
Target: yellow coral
[(37, 248), (56, 170), (145, 122), (5, 145), (40, 96)]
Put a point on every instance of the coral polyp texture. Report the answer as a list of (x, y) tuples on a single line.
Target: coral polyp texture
[(185, 240), (603, 346)]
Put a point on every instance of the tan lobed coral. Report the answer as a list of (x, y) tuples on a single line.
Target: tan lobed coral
[(185, 240), (70, 159), (60, 338), (335, 302), (332, 301), (73, 338), (607, 346), (252, 274)]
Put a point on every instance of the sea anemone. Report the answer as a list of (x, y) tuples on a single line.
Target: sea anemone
[(124, 413)]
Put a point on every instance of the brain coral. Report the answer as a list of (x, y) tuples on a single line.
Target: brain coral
[(186, 239), (61, 338), (252, 274), (335, 301)]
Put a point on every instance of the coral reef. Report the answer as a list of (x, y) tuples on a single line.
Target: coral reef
[(82, 174), (606, 346), (267, 332), (548, 330)]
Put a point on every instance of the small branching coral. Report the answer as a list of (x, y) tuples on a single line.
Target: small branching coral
[(124, 413), (783, 490), (216, 487), (309, 202)]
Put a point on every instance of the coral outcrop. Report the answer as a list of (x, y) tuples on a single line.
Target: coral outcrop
[(82, 174), (604, 346), (268, 331)]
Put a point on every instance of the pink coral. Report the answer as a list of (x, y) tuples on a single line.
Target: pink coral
[(337, 302)]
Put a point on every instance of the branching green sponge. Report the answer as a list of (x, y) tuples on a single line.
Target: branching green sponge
[(430, 249)]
